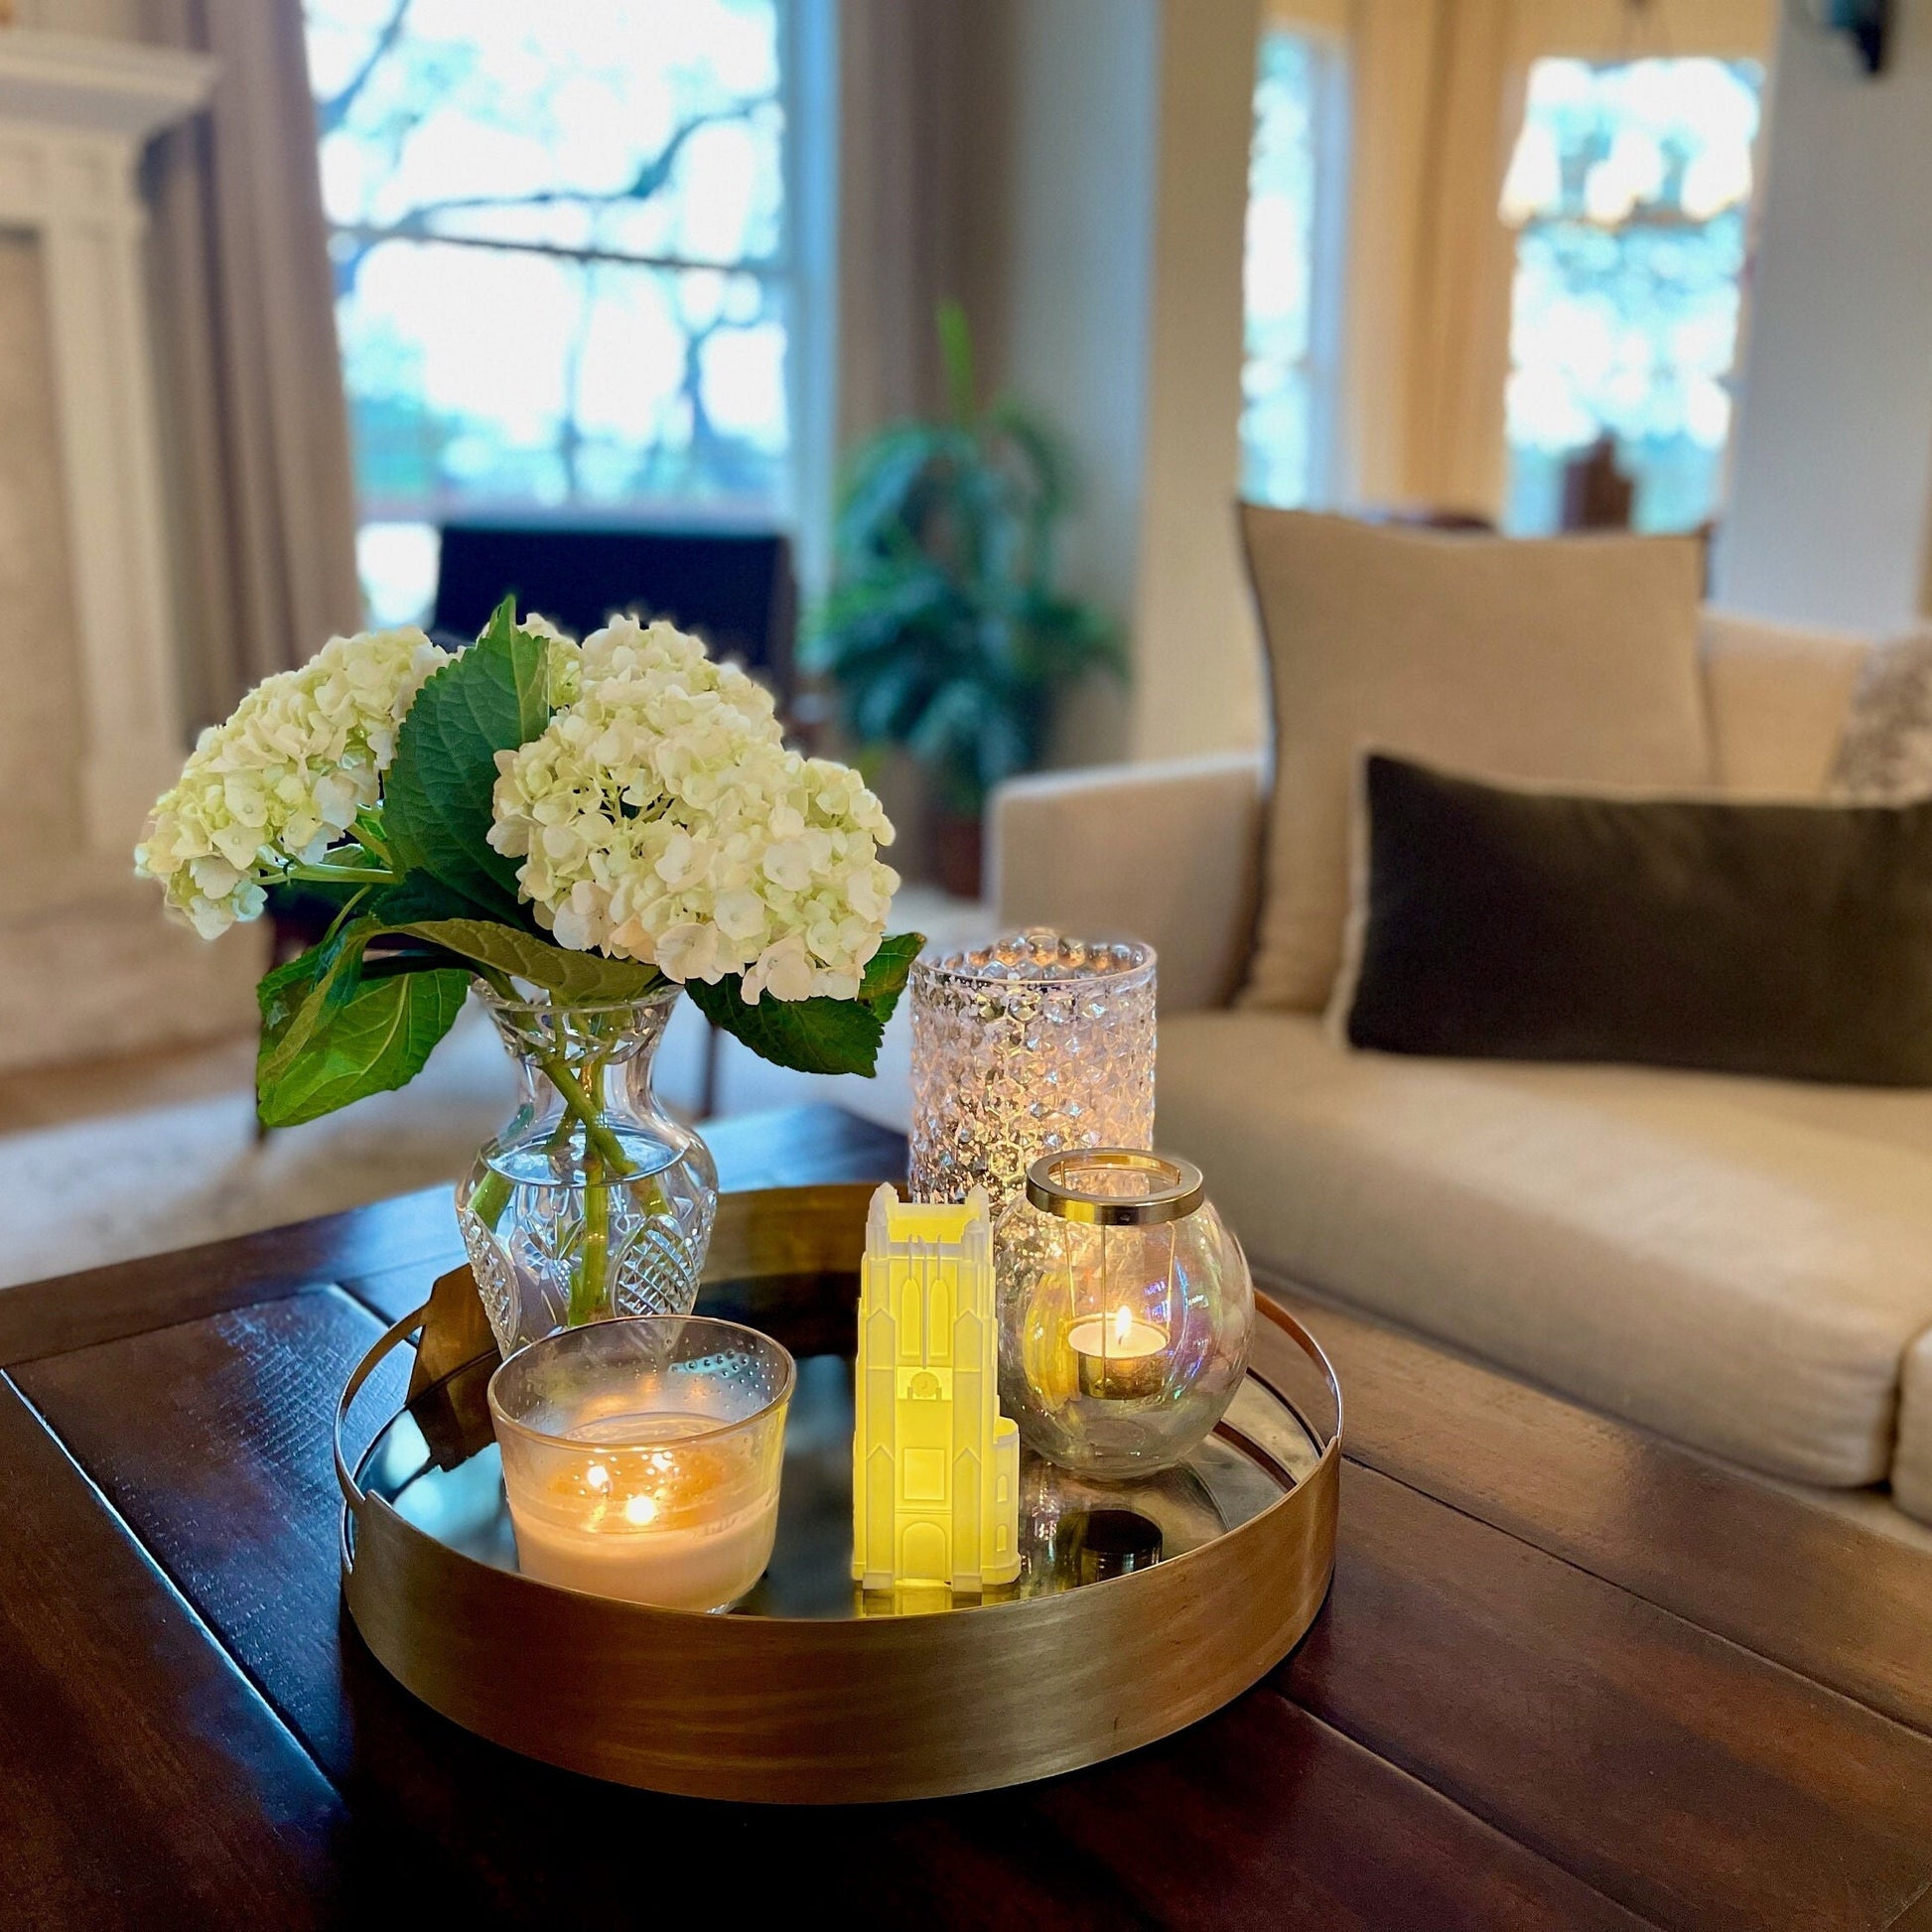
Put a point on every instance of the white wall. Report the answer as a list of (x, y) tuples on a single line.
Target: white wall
[(1080, 239), (1198, 653), (1832, 464)]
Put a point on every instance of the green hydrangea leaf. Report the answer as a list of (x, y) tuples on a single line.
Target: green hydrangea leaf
[(435, 796), (807, 1036), (816, 1036), (379, 1039), (583, 978), (888, 971), (418, 896), (529, 661), (297, 999)]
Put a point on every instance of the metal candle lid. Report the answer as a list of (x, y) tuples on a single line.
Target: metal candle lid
[(1115, 1187)]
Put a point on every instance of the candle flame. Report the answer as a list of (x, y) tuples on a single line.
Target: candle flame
[(1123, 1322), (639, 1509)]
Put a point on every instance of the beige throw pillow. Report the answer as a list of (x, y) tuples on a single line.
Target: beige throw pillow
[(1567, 661)]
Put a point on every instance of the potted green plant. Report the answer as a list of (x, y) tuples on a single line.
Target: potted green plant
[(943, 631)]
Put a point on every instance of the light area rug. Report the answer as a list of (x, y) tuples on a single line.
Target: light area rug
[(106, 1189)]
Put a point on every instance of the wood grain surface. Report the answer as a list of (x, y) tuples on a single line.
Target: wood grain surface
[(1751, 1562), (1569, 1676), (120, 1723)]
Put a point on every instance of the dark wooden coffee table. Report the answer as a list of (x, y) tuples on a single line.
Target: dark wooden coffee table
[(1569, 1676)]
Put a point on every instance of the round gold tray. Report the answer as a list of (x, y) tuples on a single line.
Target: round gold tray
[(1140, 1607)]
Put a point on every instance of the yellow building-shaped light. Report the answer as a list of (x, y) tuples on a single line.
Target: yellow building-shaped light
[(935, 1467)]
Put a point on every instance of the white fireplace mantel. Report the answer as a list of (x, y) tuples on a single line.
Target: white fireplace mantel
[(76, 114)]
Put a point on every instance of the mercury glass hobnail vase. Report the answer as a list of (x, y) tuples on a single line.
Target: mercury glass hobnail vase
[(592, 1202), (1027, 1046)]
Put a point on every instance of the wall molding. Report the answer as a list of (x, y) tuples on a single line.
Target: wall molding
[(76, 115)]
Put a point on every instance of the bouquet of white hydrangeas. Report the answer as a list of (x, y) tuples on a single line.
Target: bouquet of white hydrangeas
[(593, 821)]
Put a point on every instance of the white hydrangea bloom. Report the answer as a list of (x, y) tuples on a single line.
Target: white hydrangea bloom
[(283, 779), (661, 818)]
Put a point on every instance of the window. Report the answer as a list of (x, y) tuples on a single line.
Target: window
[(565, 251), (1289, 274), (1630, 184)]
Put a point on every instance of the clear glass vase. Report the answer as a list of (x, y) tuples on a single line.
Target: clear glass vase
[(593, 1201)]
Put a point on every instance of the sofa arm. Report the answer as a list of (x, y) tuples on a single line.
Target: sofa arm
[(1167, 853)]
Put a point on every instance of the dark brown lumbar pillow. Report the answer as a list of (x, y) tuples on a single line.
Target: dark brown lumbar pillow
[(1788, 941)]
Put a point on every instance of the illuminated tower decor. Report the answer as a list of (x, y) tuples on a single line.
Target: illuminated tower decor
[(935, 1467)]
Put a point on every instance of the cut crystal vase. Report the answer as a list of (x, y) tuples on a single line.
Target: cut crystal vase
[(592, 1202)]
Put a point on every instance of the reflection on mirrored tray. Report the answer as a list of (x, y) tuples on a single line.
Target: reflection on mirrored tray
[(446, 1479)]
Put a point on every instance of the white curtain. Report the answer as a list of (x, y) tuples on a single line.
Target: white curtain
[(1435, 100)]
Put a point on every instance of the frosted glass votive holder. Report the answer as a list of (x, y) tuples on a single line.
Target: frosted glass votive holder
[(642, 1457)]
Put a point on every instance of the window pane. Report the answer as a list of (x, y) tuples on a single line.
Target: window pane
[(481, 377), (397, 565), (1278, 271), (636, 126), (1632, 184)]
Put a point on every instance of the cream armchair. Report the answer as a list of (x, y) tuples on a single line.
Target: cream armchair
[(1169, 853)]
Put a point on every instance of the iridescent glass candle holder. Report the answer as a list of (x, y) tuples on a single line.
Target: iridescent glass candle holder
[(1126, 1311), (642, 1457), (1027, 1046)]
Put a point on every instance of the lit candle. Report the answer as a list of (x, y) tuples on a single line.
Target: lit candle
[(1120, 1355), (641, 1457), (648, 1521)]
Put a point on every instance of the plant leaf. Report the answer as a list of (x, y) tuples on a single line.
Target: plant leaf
[(807, 1036), (888, 971), (418, 896), (815, 1036), (436, 796), (297, 999), (529, 659), (377, 1039), (584, 977)]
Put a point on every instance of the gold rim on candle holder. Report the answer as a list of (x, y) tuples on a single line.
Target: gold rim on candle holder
[(1179, 1191)]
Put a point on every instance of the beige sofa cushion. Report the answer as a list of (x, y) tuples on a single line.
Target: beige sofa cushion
[(1741, 1264), (1778, 698), (1571, 660), (1911, 1468)]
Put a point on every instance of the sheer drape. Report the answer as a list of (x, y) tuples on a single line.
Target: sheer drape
[(919, 138), (1435, 94), (1434, 101), (251, 379)]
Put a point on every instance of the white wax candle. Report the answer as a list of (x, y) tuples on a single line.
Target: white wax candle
[(1119, 1337), (655, 1528), (1120, 1355), (702, 1569)]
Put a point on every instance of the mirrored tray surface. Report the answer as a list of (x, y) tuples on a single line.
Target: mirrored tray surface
[(1072, 1531)]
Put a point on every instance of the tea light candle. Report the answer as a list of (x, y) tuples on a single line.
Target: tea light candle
[(1120, 1355)]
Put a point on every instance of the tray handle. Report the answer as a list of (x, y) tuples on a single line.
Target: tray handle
[(352, 1497)]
